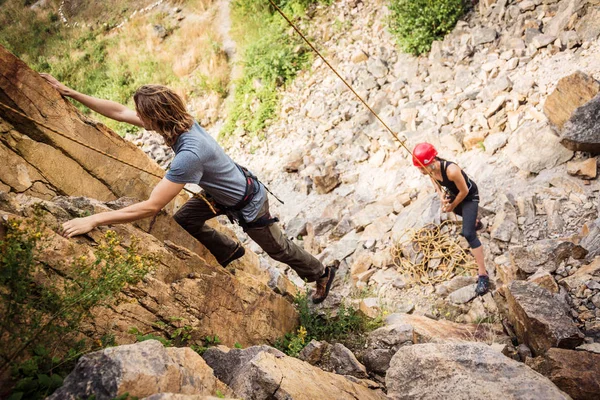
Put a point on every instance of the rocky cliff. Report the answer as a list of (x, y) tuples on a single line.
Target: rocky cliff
[(40, 164)]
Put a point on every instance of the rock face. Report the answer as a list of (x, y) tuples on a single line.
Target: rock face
[(540, 320), (577, 373), (581, 132), (140, 369), (258, 373), (209, 299), (463, 371), (68, 167), (571, 92), (534, 147), (43, 164)]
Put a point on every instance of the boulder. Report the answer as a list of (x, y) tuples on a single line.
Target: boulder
[(546, 280), (581, 132), (140, 369), (505, 227), (560, 21), (463, 371), (483, 35), (390, 336), (588, 27), (260, 374), (313, 352), (463, 295), (591, 239), (534, 147), (539, 319), (536, 256), (587, 169), (427, 330), (577, 373), (571, 92), (454, 284), (344, 362), (327, 181), (378, 360), (359, 56), (582, 275)]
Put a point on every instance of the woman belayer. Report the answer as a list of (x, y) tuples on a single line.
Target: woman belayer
[(459, 194)]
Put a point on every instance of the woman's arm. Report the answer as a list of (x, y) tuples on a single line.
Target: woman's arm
[(454, 173), (109, 109), (162, 194)]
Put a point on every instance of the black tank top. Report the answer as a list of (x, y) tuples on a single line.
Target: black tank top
[(451, 186)]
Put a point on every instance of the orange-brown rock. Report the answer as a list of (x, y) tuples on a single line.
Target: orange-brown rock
[(426, 330), (577, 373), (43, 164), (571, 92), (205, 297)]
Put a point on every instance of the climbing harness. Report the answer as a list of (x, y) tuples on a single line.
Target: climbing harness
[(430, 255), (234, 213)]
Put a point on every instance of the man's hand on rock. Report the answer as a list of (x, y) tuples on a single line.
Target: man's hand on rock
[(62, 89), (78, 226)]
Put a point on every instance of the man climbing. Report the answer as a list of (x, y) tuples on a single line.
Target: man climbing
[(459, 194), (199, 159)]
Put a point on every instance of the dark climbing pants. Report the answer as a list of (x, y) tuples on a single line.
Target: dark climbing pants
[(193, 215), (468, 209)]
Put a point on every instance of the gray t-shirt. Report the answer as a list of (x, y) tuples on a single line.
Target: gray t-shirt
[(200, 160)]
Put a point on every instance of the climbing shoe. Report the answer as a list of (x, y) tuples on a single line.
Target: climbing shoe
[(483, 285), (324, 283), (238, 253)]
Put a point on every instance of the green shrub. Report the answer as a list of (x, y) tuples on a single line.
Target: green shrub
[(347, 326), (417, 23), (42, 309)]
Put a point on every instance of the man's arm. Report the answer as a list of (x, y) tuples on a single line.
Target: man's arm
[(162, 194), (109, 109)]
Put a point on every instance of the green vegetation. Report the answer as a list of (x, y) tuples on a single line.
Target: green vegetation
[(347, 326), (104, 62), (272, 57), (417, 23), (42, 308)]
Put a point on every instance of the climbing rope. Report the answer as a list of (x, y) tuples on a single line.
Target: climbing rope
[(394, 134), (194, 194), (431, 255)]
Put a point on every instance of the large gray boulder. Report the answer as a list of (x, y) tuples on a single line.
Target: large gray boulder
[(263, 373), (140, 369), (464, 371), (540, 319), (534, 147), (582, 131)]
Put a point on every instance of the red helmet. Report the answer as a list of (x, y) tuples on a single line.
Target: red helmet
[(425, 153)]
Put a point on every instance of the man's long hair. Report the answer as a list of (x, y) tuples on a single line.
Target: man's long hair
[(164, 110)]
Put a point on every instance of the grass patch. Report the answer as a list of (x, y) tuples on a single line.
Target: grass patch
[(272, 56), (417, 23)]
